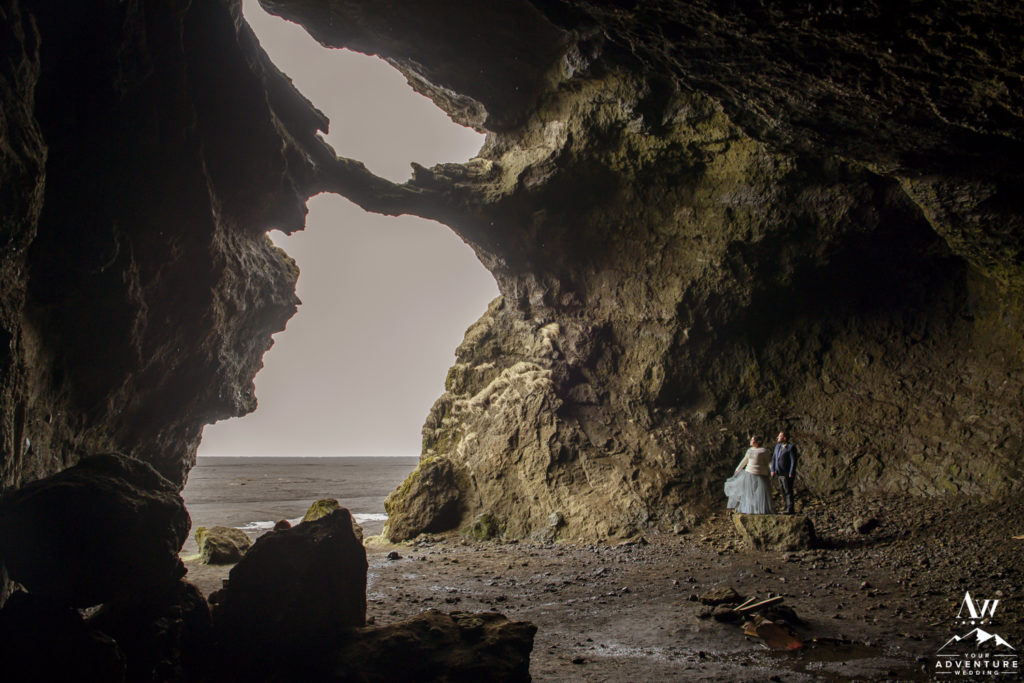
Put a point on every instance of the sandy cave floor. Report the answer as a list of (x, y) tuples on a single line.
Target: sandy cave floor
[(876, 606)]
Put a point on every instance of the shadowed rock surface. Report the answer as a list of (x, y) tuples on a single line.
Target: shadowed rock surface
[(297, 590), (439, 647), (324, 507), (107, 527), (165, 635), (46, 640), (147, 148)]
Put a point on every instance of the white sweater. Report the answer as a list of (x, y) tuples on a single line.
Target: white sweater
[(756, 461)]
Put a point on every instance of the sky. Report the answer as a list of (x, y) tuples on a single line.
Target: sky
[(385, 300)]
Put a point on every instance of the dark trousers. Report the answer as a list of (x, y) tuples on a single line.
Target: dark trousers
[(786, 485)]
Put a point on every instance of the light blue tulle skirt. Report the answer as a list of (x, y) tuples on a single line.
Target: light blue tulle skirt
[(749, 494)]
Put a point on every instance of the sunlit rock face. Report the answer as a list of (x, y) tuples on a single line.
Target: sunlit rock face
[(709, 220), (144, 150)]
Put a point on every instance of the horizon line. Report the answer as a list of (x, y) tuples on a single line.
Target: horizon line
[(304, 455)]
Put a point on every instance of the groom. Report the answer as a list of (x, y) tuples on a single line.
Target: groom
[(783, 469)]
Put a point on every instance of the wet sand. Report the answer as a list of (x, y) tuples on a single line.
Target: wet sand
[(877, 606)]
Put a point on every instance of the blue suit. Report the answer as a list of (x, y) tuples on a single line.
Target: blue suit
[(784, 468), (784, 459)]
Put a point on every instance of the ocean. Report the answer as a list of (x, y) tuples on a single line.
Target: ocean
[(254, 493)]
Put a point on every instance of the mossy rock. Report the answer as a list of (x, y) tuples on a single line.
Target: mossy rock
[(221, 544), (775, 532), (428, 501), (484, 528), (321, 508), (326, 506)]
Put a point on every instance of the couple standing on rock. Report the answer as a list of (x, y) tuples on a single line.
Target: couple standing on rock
[(749, 488)]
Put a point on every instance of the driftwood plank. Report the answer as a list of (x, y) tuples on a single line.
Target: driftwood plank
[(757, 605)]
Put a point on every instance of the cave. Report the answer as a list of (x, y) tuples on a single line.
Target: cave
[(706, 221)]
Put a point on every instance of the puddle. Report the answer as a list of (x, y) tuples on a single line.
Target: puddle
[(837, 660), (619, 650)]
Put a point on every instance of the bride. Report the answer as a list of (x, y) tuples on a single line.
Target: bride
[(749, 488)]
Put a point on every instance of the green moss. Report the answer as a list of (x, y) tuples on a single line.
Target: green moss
[(444, 442), (221, 545), (394, 500), (484, 528), (321, 508)]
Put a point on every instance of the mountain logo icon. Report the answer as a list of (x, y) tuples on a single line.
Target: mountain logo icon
[(975, 640)]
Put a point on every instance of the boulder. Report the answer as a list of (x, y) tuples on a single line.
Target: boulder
[(775, 532), (221, 544), (433, 646), (428, 501), (164, 635), (109, 526), (324, 507), (52, 642), (723, 595), (297, 589), (321, 508)]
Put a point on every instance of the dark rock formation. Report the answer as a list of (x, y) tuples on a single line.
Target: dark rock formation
[(321, 508), (45, 640), (107, 527), (146, 148), (300, 590), (438, 647), (713, 219), (324, 507), (165, 635), (221, 544), (495, 94)]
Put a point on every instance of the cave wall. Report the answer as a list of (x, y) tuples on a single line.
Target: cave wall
[(707, 290), (146, 149), (709, 220)]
